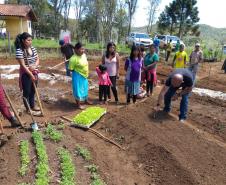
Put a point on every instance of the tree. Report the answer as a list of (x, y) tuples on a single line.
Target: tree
[(66, 10), (121, 20), (180, 16), (132, 4), (152, 10)]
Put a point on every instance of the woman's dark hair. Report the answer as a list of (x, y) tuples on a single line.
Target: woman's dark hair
[(135, 48), (78, 45), (108, 53), (19, 40), (152, 45)]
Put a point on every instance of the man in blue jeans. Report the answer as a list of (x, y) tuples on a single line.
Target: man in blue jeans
[(178, 84)]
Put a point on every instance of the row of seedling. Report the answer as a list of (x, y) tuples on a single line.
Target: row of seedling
[(92, 168), (67, 167), (25, 159), (42, 167)]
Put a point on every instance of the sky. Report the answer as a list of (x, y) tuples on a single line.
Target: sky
[(211, 12)]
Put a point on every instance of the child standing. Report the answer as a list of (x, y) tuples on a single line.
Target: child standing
[(104, 82), (133, 67)]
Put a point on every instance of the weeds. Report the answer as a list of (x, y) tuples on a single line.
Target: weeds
[(83, 152), (42, 167), (67, 167), (25, 160), (53, 134)]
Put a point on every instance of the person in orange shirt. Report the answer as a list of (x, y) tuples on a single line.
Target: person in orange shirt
[(180, 59)]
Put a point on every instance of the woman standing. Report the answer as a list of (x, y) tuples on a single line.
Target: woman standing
[(28, 59), (150, 64), (111, 61), (78, 64), (133, 67)]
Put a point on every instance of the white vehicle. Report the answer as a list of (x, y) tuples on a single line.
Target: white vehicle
[(164, 39), (139, 39)]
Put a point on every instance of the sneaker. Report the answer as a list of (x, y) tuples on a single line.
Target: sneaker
[(182, 120), (14, 122), (36, 108)]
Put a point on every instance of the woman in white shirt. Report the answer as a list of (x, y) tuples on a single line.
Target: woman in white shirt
[(111, 60)]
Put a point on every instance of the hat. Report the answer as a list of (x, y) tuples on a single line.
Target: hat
[(197, 44), (61, 42)]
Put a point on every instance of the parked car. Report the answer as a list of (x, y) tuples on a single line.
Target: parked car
[(164, 39), (139, 39)]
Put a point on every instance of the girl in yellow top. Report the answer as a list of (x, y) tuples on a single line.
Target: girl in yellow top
[(181, 58)]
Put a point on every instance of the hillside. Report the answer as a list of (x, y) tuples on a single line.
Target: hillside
[(209, 34)]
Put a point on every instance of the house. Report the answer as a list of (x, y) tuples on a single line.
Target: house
[(17, 18)]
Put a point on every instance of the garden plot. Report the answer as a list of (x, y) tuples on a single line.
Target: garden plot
[(176, 149)]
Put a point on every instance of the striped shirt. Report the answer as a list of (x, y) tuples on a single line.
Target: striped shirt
[(28, 59)]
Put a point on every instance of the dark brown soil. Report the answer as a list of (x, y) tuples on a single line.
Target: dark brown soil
[(160, 151)]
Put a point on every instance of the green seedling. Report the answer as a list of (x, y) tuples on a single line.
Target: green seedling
[(53, 134), (95, 177), (67, 167), (83, 152), (89, 116), (25, 159), (42, 167)]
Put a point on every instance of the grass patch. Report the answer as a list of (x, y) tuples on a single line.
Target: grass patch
[(89, 116), (83, 152), (53, 134), (25, 159), (42, 167), (67, 167)]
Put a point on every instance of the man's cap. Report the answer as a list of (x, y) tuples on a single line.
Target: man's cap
[(197, 44)]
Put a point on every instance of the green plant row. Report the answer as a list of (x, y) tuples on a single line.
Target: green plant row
[(93, 169), (53, 134), (67, 167), (42, 167), (89, 116), (83, 152), (25, 159)]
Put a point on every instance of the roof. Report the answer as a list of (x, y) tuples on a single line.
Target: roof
[(16, 10)]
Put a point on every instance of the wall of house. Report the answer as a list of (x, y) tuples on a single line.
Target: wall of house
[(16, 25)]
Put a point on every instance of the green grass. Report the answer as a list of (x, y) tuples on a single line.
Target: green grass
[(25, 159), (47, 43), (53, 134), (83, 152), (67, 167), (42, 167)]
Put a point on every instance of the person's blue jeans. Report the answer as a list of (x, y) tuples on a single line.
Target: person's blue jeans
[(183, 104), (194, 68), (68, 72)]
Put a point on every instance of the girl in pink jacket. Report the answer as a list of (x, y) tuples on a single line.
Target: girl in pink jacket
[(104, 82)]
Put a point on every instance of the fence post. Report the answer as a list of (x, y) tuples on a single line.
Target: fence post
[(9, 44)]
